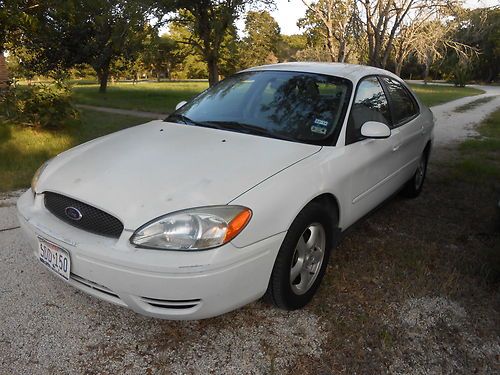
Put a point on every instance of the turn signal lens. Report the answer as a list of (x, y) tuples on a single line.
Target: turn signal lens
[(236, 225)]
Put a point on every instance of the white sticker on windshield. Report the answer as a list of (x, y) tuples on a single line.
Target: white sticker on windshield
[(321, 122), (319, 126)]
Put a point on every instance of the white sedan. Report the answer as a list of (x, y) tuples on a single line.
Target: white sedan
[(240, 193)]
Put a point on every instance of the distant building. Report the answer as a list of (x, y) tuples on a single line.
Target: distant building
[(4, 74)]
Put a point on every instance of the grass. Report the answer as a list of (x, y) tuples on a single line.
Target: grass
[(23, 150), (480, 159), (432, 95), (159, 97)]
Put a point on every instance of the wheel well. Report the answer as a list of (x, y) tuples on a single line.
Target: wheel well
[(427, 148), (331, 202)]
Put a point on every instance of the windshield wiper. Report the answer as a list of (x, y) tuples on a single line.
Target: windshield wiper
[(247, 128), (176, 117)]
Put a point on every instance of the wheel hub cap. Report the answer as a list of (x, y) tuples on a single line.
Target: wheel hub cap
[(307, 258)]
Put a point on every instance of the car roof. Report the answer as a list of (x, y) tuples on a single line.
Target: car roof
[(352, 72)]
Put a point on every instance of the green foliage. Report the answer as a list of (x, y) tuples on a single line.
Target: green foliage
[(262, 41), (481, 29), (162, 55), (40, 106), (461, 74), (208, 23), (58, 35), (289, 45)]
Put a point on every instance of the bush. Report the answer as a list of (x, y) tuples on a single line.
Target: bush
[(461, 75), (40, 106)]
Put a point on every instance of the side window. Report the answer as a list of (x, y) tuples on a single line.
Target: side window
[(403, 106), (370, 104)]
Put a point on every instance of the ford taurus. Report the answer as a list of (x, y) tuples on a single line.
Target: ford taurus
[(240, 193)]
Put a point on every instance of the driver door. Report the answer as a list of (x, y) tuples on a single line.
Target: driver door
[(373, 162)]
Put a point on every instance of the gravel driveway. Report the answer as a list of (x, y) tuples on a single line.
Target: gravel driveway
[(48, 327)]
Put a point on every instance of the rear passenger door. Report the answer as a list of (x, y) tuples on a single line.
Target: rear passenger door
[(371, 161), (407, 122)]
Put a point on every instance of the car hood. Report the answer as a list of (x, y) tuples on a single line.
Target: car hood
[(143, 172)]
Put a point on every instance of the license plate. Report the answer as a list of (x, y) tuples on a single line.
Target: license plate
[(54, 257)]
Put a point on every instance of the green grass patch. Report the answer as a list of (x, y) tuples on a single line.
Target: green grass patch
[(474, 104), (159, 97), (432, 95), (481, 156), (23, 150)]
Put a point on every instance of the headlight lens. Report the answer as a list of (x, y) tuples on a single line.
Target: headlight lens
[(194, 229), (37, 175)]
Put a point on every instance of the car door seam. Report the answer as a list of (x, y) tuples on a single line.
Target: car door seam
[(381, 182)]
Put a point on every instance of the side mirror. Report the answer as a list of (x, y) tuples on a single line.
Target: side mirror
[(375, 129), (180, 104)]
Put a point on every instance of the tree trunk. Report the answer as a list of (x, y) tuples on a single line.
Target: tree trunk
[(341, 58), (103, 76), (427, 68), (398, 68), (213, 70)]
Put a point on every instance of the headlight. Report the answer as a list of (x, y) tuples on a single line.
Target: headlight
[(194, 229), (37, 175)]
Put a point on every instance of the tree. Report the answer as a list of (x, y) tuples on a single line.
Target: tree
[(208, 21), (337, 22), (162, 54), (383, 20), (60, 35), (192, 64), (480, 28), (262, 39), (11, 13), (289, 45)]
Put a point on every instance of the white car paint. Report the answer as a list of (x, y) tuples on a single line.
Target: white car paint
[(178, 166), (151, 170)]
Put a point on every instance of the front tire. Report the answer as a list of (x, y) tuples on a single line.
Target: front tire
[(302, 259), (413, 187)]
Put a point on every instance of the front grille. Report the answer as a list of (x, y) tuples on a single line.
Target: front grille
[(92, 219)]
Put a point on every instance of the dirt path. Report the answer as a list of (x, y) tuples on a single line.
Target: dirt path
[(128, 112), (453, 126)]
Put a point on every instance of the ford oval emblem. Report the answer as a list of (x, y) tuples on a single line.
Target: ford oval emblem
[(73, 213)]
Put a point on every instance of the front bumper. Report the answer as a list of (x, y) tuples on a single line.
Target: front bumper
[(161, 284)]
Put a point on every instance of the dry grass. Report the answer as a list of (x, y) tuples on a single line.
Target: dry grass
[(436, 259)]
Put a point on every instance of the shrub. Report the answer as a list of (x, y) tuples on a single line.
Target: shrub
[(40, 106), (461, 75)]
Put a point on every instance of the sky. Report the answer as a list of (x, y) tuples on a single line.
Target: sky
[(288, 12)]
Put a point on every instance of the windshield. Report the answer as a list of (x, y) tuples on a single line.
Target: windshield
[(302, 107)]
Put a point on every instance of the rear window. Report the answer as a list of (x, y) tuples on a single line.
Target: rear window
[(403, 105)]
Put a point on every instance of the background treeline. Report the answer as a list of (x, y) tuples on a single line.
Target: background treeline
[(132, 39)]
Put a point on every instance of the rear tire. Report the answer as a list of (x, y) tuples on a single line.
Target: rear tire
[(413, 187), (302, 259)]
